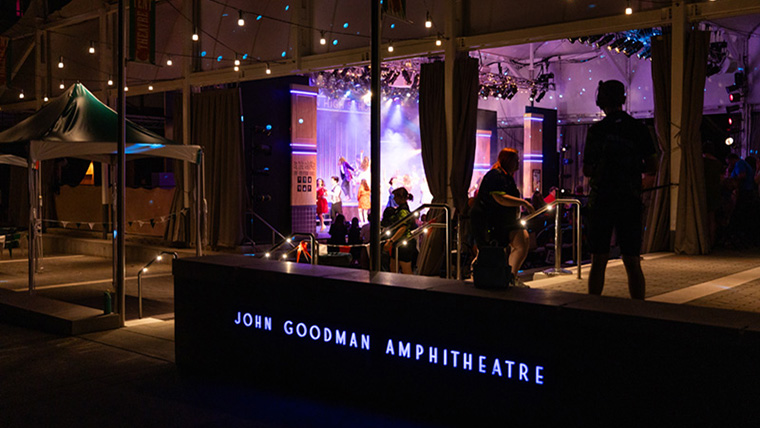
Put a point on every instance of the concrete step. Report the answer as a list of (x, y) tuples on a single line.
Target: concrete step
[(54, 316)]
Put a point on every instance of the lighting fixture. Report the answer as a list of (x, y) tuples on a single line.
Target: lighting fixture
[(236, 68), (150, 87), (390, 47), (322, 39), (46, 99), (92, 47), (729, 141), (428, 22), (169, 61), (60, 62), (241, 21), (195, 35), (62, 86), (110, 81), (126, 88), (237, 61), (269, 70), (21, 95), (438, 41), (629, 9)]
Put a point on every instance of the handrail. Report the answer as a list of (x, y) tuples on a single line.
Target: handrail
[(144, 269), (289, 240), (558, 236), (269, 226), (387, 230)]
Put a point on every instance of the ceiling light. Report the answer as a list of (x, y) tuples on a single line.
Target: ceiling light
[(92, 47), (62, 86), (60, 62), (428, 22), (629, 9), (269, 70), (241, 21), (169, 61), (322, 39), (195, 35)]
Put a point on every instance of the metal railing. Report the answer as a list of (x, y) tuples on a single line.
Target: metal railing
[(144, 269), (557, 270), (388, 231), (274, 231), (289, 241)]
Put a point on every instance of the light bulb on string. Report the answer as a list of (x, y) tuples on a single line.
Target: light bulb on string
[(60, 62), (629, 9), (45, 98), (438, 41), (62, 86), (241, 21), (195, 35), (21, 95), (110, 81), (126, 88), (237, 61), (390, 47), (92, 47), (169, 61), (322, 39), (150, 87), (269, 70), (236, 68), (428, 22)]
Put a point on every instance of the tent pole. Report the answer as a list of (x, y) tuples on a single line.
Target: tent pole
[(374, 225), (38, 217), (31, 237)]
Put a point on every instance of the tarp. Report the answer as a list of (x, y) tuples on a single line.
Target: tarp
[(76, 124)]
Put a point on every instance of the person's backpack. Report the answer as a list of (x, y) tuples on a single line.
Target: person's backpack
[(491, 270)]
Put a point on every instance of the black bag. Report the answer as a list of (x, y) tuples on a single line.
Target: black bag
[(491, 270)]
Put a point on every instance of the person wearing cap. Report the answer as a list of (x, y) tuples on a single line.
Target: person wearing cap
[(619, 149)]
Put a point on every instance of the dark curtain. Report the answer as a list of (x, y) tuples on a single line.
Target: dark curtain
[(657, 225), (466, 86), (216, 127), (574, 137), (692, 235), (433, 148), (179, 225)]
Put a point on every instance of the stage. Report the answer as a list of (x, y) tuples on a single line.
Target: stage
[(445, 351)]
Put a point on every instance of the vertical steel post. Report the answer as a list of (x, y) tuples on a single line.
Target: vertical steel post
[(121, 106), (375, 140), (31, 237)]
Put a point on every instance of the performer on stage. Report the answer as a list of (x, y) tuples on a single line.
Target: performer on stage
[(336, 196), (346, 175), (363, 195), (322, 207)]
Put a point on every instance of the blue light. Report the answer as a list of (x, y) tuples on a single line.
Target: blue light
[(335, 42), (241, 118), (345, 25), (287, 7), (393, 25), (258, 18), (114, 234), (245, 56), (300, 120), (219, 58), (283, 54), (269, 127), (203, 53)]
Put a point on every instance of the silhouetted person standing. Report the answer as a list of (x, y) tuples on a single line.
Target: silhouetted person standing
[(618, 150)]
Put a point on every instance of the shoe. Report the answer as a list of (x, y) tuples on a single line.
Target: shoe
[(518, 283)]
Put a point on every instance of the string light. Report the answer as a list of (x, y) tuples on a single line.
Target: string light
[(45, 99), (169, 61), (110, 81), (629, 9), (62, 86), (126, 88), (92, 47), (241, 21), (21, 95), (237, 61), (60, 62), (322, 39), (269, 70), (150, 87), (390, 47), (428, 22), (236, 68), (195, 35), (438, 41)]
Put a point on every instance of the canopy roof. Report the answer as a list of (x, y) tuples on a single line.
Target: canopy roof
[(77, 124)]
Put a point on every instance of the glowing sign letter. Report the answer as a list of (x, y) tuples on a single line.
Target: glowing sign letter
[(433, 355), (419, 351), (467, 361), (237, 321), (404, 349), (509, 367), (328, 334), (539, 376), (389, 348), (288, 327), (340, 337), (481, 364), (365, 341), (524, 372), (496, 367)]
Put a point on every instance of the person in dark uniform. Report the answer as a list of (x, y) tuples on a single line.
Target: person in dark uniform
[(402, 238), (495, 212), (618, 150)]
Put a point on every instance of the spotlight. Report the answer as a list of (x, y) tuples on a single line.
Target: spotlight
[(735, 97), (604, 40), (732, 108), (407, 77), (735, 119), (92, 47), (60, 62), (159, 257), (729, 141), (593, 39), (241, 21), (645, 53), (616, 44), (126, 88)]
